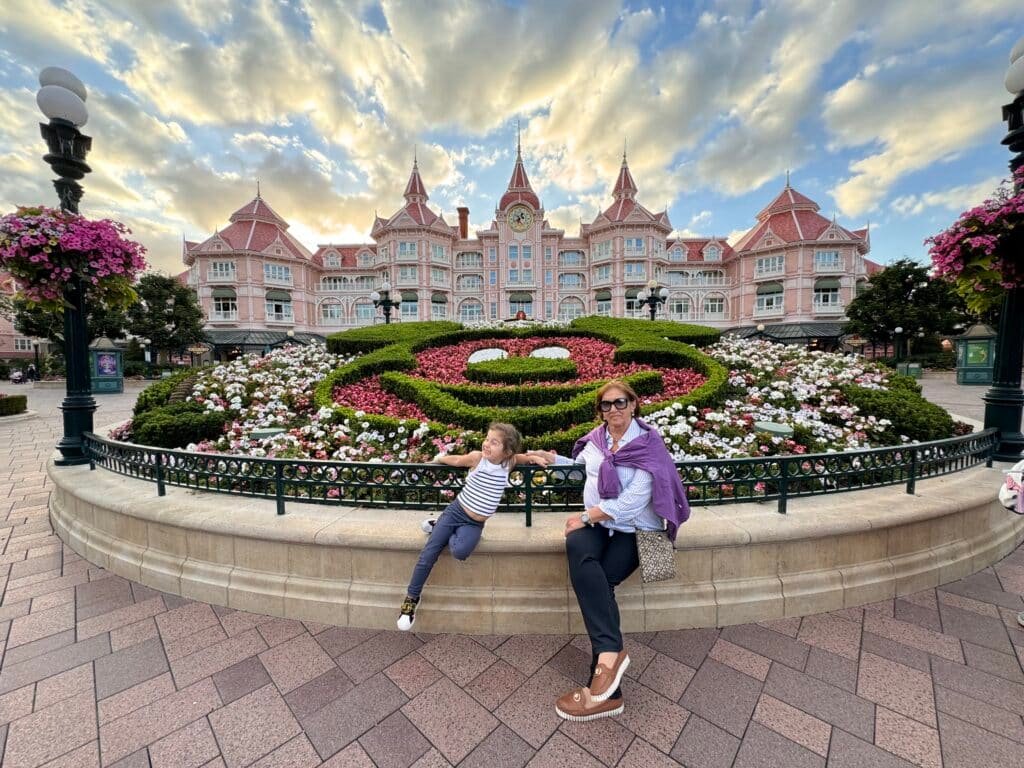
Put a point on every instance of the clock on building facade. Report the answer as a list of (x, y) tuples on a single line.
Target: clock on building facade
[(520, 218)]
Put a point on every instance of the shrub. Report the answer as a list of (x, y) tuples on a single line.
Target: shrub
[(12, 405), (158, 393), (177, 424), (516, 370), (5, 370), (902, 404)]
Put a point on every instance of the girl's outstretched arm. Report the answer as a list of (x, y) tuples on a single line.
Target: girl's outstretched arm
[(470, 459)]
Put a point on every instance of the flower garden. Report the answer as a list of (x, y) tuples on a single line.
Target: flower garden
[(402, 393)]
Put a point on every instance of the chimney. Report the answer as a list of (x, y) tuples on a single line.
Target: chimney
[(463, 222)]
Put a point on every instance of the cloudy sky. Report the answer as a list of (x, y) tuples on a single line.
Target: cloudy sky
[(887, 112)]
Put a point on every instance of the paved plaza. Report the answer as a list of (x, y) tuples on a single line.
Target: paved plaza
[(97, 670)]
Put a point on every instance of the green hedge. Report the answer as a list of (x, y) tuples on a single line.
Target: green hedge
[(568, 412), (360, 340), (157, 394), (644, 383), (902, 404), (516, 370), (177, 424), (12, 405)]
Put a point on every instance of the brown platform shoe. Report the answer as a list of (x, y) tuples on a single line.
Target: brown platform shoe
[(606, 681), (578, 706)]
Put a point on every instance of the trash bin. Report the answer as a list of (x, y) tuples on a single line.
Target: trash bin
[(914, 370), (903, 369)]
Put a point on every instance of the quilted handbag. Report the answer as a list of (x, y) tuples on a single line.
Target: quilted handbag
[(657, 556)]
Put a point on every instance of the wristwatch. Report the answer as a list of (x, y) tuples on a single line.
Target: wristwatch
[(585, 518)]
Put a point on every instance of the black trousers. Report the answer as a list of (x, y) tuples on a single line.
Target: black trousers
[(598, 563)]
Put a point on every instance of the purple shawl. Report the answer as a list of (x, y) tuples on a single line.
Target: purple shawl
[(647, 452)]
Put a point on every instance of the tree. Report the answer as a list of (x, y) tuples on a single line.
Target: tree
[(903, 295), (36, 322), (167, 313)]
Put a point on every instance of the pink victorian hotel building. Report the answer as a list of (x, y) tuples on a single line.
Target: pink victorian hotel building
[(793, 272)]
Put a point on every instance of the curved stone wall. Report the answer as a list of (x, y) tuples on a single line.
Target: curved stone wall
[(349, 566)]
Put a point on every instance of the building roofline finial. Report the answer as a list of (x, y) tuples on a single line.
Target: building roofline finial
[(519, 143), (415, 152), (625, 146), (787, 178), (257, 188)]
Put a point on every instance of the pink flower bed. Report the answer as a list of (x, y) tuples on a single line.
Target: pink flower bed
[(367, 395), (447, 365)]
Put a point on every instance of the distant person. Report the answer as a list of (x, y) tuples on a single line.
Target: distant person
[(31, 373), (460, 525)]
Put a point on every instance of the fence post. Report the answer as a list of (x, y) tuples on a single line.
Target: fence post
[(161, 490), (279, 486), (911, 481), (528, 478), (91, 452), (783, 484)]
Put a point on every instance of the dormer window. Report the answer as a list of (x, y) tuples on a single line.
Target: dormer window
[(332, 260), (712, 253), (277, 251)]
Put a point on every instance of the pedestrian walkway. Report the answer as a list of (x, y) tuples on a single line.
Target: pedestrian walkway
[(97, 670)]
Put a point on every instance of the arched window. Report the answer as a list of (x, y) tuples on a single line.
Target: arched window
[(680, 307), (332, 259), (471, 311), (570, 309), (714, 306), (331, 312), (603, 303)]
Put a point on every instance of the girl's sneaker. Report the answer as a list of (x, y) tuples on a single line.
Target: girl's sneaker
[(407, 616), (428, 525)]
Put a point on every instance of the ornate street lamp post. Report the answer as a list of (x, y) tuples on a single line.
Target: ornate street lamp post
[(61, 98), (35, 348), (897, 333), (651, 296), (1004, 402), (383, 300)]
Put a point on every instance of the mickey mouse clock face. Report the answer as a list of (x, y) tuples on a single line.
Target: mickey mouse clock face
[(520, 218)]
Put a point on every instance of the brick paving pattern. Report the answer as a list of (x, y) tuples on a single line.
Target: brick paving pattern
[(98, 671)]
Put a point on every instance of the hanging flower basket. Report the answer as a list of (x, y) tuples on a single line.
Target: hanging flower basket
[(43, 249), (982, 253)]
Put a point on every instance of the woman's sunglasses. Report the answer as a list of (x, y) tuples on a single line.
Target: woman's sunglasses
[(620, 404)]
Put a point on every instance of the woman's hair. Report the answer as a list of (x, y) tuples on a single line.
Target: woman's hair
[(511, 440), (614, 384)]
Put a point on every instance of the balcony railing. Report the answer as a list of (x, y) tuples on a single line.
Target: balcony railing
[(346, 287), (829, 267), (828, 308), (280, 317), (696, 282), (216, 316), (770, 311), (221, 277), (760, 272), (278, 280), (464, 263)]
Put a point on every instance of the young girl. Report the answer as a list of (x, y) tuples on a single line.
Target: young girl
[(462, 522)]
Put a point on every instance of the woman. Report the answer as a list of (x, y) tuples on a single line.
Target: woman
[(632, 484)]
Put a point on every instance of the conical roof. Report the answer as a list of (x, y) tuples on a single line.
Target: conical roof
[(519, 189)]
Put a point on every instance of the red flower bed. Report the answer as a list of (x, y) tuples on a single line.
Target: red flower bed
[(447, 365), (367, 395)]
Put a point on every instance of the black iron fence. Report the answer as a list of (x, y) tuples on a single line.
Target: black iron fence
[(535, 489)]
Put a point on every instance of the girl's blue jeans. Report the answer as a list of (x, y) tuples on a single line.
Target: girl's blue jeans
[(454, 528)]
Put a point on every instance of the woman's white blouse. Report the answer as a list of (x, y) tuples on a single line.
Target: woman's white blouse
[(633, 508)]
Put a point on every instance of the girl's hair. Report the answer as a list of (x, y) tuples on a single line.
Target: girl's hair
[(511, 440), (615, 384)]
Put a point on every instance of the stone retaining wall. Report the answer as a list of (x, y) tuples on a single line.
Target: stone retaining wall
[(349, 566)]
